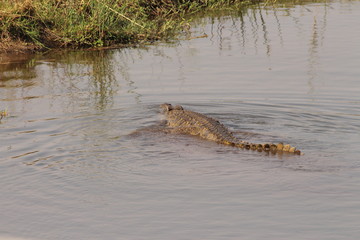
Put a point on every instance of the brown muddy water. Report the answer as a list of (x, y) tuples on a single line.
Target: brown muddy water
[(71, 169)]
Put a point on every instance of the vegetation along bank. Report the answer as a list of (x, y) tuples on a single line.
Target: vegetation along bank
[(44, 24)]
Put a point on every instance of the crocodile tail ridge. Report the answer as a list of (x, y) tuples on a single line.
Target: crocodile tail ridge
[(269, 147)]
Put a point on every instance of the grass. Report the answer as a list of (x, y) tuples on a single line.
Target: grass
[(44, 24)]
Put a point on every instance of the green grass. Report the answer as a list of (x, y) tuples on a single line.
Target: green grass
[(39, 24)]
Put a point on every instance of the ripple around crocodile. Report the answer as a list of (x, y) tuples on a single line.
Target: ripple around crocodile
[(188, 122)]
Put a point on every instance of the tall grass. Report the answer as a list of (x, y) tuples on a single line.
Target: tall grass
[(96, 23)]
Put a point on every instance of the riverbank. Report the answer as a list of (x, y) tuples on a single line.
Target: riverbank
[(32, 25)]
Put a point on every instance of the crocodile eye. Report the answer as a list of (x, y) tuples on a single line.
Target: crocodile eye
[(167, 107)]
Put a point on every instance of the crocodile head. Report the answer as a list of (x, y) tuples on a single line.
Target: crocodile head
[(166, 107)]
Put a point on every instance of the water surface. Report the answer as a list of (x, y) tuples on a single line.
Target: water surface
[(71, 169)]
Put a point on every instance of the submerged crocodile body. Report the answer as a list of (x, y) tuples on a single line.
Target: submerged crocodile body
[(193, 123)]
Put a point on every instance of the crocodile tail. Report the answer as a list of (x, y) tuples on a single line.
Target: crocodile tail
[(269, 147)]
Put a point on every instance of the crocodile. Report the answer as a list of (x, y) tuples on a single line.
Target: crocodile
[(188, 122)]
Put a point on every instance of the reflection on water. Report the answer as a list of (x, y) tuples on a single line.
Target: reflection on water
[(16, 71), (71, 169), (87, 77), (255, 30), (95, 67), (250, 29)]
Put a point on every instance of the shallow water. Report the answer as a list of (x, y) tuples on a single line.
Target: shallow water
[(72, 169)]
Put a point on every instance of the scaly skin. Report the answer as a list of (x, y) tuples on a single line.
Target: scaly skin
[(197, 124)]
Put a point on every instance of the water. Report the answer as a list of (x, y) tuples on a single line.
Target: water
[(71, 169)]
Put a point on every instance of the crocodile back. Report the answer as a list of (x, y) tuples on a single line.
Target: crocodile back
[(197, 124)]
